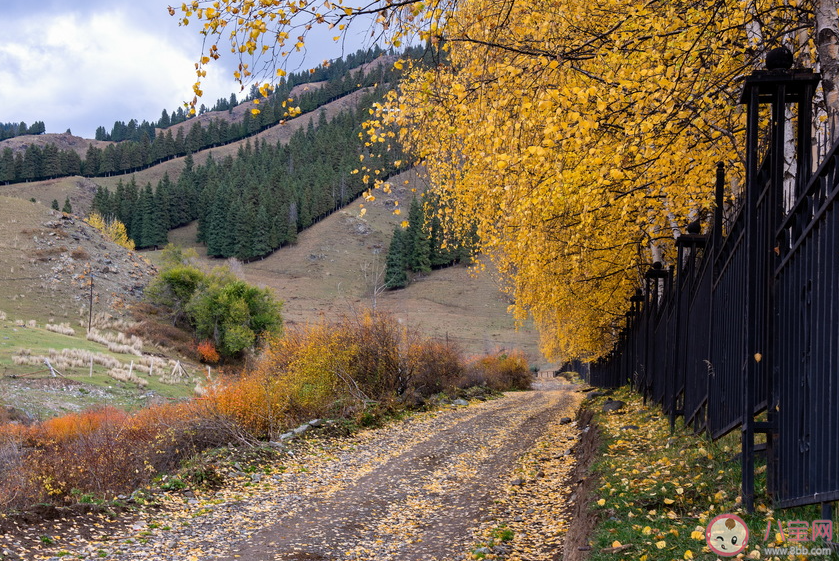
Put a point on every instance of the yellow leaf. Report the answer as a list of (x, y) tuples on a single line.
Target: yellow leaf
[(661, 544), (669, 501), (646, 531), (688, 554), (601, 502), (616, 543), (697, 535)]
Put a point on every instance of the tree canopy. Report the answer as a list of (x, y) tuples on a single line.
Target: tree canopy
[(577, 137), (219, 307)]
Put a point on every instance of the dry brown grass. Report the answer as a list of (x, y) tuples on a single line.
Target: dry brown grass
[(322, 277)]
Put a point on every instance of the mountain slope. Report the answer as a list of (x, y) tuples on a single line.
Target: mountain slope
[(330, 270), (47, 258)]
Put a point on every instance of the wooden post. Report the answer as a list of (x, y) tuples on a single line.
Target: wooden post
[(90, 305)]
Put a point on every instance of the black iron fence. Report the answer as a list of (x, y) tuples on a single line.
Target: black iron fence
[(746, 323)]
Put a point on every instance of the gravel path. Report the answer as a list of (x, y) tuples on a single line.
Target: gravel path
[(432, 487)]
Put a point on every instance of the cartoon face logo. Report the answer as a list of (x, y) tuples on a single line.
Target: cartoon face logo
[(727, 535)]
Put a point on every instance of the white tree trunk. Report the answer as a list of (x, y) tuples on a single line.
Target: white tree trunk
[(827, 43)]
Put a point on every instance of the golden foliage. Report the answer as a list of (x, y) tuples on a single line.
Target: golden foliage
[(113, 230), (574, 164), (578, 136)]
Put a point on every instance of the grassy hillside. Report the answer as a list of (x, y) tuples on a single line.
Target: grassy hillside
[(46, 260), (330, 271)]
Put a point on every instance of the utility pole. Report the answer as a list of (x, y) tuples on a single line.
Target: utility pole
[(90, 305)]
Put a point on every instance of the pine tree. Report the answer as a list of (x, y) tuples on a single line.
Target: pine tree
[(418, 240), (71, 163), (7, 166), (164, 121), (164, 206), (51, 162), (68, 208), (54, 204), (92, 160), (396, 275), (32, 163), (260, 245)]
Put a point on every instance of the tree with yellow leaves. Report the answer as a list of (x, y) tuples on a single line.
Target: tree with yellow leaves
[(113, 230), (579, 138)]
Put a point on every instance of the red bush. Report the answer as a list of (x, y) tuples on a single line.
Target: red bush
[(208, 353)]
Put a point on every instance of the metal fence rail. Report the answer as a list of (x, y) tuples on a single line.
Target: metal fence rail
[(747, 321), (807, 343)]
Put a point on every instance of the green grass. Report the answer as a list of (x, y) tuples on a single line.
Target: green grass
[(31, 388), (658, 491)]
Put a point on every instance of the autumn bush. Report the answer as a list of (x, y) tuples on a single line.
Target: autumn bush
[(357, 367), (434, 366), (208, 353), (337, 369), (102, 453), (299, 376), (500, 371), (162, 334)]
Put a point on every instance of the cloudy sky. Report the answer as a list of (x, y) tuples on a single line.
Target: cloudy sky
[(81, 64)]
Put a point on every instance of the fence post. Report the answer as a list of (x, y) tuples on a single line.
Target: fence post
[(779, 85), (635, 308)]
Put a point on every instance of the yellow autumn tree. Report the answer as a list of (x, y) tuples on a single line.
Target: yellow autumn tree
[(579, 158), (578, 137), (113, 230)]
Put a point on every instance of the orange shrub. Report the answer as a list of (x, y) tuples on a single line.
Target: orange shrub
[(208, 353), (74, 425)]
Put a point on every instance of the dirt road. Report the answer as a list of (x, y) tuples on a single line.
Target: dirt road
[(437, 486)]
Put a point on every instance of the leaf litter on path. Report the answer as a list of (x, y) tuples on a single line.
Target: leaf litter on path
[(436, 486)]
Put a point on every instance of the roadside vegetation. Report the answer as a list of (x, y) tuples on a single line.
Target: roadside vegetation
[(659, 490), (362, 369), (224, 313)]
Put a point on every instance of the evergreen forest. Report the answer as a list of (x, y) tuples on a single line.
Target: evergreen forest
[(424, 244), (139, 146), (249, 205)]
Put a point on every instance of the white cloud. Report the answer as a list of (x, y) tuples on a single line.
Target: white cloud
[(73, 71), (88, 64)]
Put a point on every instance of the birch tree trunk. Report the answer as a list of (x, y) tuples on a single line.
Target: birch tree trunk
[(827, 43)]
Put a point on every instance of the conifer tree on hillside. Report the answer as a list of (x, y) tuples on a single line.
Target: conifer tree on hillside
[(68, 208), (7, 166), (396, 275), (418, 241), (249, 205)]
